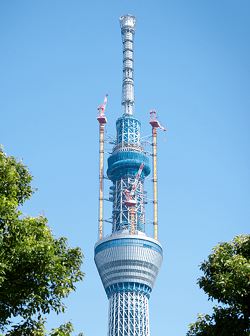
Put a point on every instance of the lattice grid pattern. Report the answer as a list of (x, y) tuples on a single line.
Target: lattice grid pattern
[(128, 314), (128, 132), (121, 218)]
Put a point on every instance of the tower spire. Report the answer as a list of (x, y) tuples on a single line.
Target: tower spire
[(127, 23)]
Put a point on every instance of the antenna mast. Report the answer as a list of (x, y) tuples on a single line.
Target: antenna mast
[(128, 30)]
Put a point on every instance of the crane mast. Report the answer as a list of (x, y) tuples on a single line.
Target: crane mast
[(155, 125), (102, 121)]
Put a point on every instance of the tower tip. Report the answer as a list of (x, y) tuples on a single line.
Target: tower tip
[(127, 21)]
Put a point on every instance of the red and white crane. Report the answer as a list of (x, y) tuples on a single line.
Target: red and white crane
[(101, 108), (129, 194), (154, 122), (131, 201)]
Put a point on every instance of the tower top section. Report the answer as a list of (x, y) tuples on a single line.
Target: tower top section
[(127, 23)]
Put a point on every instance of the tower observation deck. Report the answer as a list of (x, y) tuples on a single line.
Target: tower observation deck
[(128, 260)]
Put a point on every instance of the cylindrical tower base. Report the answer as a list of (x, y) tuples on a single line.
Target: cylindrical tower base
[(128, 314)]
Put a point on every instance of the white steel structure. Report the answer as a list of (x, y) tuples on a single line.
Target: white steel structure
[(128, 30), (128, 314), (128, 260)]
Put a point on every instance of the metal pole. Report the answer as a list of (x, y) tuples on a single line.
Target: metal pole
[(155, 202), (102, 121), (132, 220), (101, 162)]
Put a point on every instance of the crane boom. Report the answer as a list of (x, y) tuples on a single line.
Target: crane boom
[(129, 194), (137, 178), (131, 201), (101, 108), (154, 122)]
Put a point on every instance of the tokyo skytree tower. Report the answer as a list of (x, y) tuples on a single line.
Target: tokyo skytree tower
[(128, 260)]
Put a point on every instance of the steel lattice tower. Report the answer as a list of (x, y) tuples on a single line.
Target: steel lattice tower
[(128, 260)]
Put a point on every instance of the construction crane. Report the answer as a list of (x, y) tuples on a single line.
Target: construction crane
[(102, 121), (131, 201), (155, 124), (101, 108)]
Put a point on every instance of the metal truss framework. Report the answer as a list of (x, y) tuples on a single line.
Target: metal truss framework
[(128, 314), (121, 218), (128, 132)]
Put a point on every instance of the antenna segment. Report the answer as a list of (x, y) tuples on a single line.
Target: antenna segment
[(127, 23)]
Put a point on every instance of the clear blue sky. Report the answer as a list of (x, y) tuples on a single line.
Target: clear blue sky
[(57, 60)]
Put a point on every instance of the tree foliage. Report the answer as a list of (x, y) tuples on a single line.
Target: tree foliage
[(37, 271), (226, 279)]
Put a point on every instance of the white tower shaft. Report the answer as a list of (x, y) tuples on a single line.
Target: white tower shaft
[(128, 314), (127, 23)]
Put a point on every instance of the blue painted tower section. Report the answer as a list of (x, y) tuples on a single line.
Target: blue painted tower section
[(128, 263), (123, 164)]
